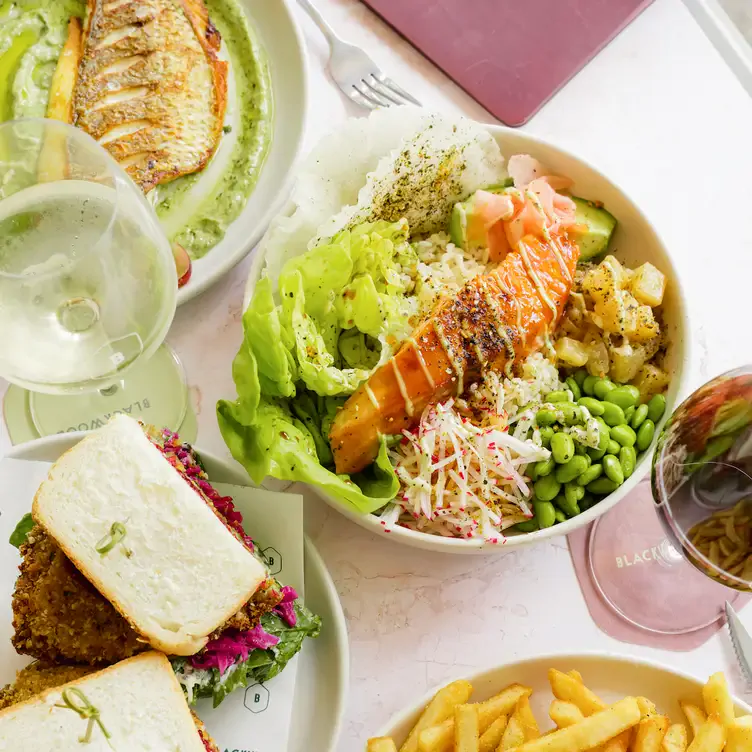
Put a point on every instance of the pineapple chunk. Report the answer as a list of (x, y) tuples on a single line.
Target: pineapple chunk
[(626, 362), (621, 275), (597, 363), (600, 283), (646, 327), (571, 352), (613, 312), (651, 380), (648, 285)]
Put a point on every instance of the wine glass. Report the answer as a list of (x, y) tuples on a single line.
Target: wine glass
[(87, 284), (670, 572)]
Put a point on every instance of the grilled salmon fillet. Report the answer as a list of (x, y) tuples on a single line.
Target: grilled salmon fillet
[(150, 86), (495, 319)]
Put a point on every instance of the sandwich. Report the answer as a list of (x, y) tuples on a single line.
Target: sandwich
[(136, 705), (128, 547)]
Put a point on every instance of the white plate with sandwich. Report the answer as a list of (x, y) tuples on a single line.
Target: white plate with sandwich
[(152, 555)]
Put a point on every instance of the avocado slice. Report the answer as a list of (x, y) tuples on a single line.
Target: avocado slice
[(462, 215), (600, 227)]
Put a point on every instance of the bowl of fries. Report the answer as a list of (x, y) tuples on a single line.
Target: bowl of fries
[(573, 704)]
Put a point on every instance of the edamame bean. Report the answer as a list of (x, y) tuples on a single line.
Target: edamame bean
[(579, 376), (558, 396), (573, 387), (546, 433), (613, 447), (613, 414), (560, 516), (562, 447), (576, 466), (639, 417), (624, 435), (593, 406), (612, 469), (645, 435), (587, 501), (528, 526), (567, 506), (628, 413), (570, 413), (580, 449), (574, 492), (592, 473), (544, 513), (624, 396), (656, 407), (546, 488), (596, 454), (602, 387), (543, 468), (602, 486), (628, 460), (605, 435), (588, 384), (545, 417)]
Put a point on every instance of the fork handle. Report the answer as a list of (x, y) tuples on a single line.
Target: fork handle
[(318, 19)]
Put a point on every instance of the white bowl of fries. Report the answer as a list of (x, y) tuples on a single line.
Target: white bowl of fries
[(573, 703)]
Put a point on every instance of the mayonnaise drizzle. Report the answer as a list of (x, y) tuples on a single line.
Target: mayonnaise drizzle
[(422, 362), (493, 306), (459, 371), (402, 388), (542, 294), (372, 397)]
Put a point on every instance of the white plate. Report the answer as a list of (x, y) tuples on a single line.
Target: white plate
[(635, 241), (610, 677), (324, 668), (282, 41)]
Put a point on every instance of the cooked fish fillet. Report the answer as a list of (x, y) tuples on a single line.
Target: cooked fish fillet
[(151, 88), (495, 319)]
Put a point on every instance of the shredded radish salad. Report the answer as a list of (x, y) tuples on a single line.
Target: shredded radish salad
[(463, 468)]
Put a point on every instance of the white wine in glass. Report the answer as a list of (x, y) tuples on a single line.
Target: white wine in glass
[(87, 283)]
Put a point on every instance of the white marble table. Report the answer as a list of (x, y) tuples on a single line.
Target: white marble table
[(660, 113)]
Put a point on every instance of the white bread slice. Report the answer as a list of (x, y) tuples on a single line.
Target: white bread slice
[(140, 704), (178, 573)]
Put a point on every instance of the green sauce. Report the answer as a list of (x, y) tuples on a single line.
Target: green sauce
[(197, 209)]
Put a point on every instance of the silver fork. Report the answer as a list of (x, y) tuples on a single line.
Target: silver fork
[(355, 73)]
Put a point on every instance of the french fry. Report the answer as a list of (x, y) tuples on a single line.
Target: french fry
[(60, 106), (466, 736), (564, 713), (514, 734), (695, 716), (647, 708), (438, 709), (566, 688), (650, 733), (491, 738), (711, 736), (381, 744), (619, 743), (739, 735), (591, 732), (527, 719), (715, 695), (439, 737), (576, 675), (676, 739)]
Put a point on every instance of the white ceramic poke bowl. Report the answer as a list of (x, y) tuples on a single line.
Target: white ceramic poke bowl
[(635, 241)]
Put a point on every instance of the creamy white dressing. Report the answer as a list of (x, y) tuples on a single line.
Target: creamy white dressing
[(422, 362), (402, 388), (493, 305), (458, 370), (372, 397)]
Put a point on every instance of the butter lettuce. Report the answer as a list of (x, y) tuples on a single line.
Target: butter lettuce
[(341, 303)]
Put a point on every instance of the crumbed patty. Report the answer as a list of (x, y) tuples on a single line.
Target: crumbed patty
[(39, 677), (58, 616)]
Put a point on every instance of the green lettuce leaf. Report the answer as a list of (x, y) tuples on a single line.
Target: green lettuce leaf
[(340, 303), (21, 533), (260, 666)]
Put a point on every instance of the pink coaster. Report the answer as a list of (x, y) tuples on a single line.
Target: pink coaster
[(638, 587)]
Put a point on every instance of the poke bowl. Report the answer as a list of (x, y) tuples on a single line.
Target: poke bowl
[(625, 248)]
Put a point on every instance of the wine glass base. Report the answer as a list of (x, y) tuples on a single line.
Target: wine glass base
[(644, 579), (154, 391)]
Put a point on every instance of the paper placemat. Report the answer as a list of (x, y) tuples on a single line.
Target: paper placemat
[(256, 719), (626, 557)]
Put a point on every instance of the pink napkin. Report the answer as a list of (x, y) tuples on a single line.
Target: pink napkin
[(646, 579)]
